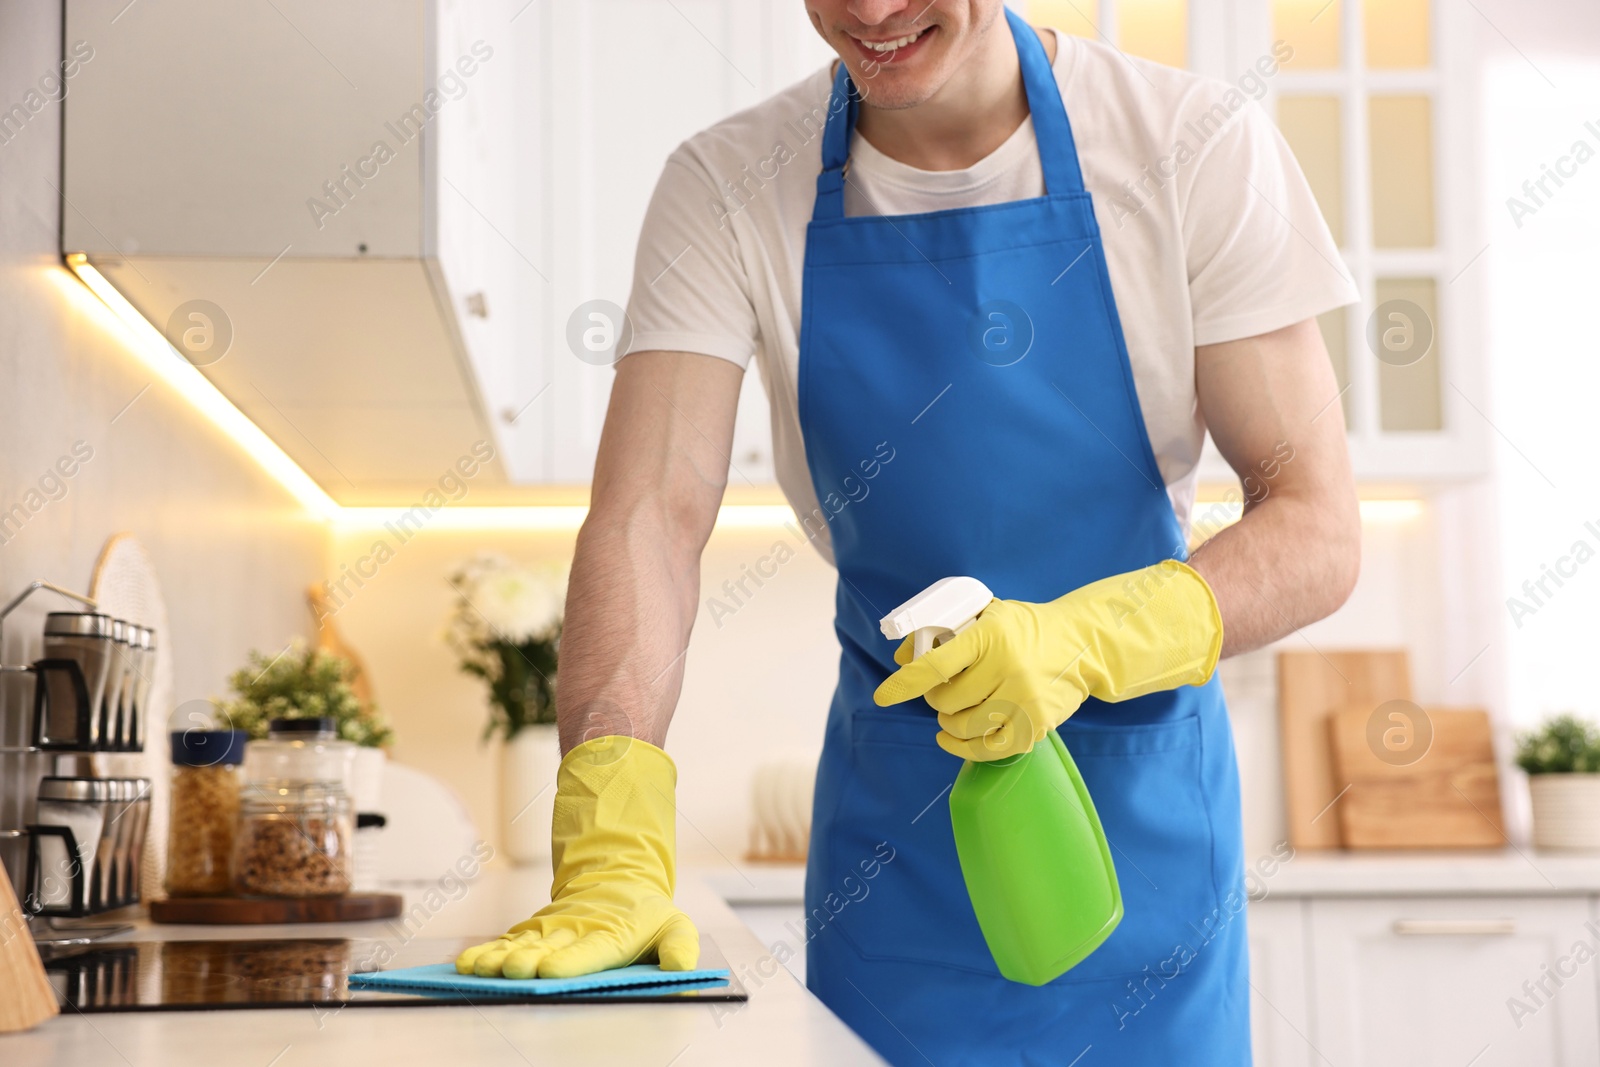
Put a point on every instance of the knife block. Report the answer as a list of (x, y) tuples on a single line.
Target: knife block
[(26, 999)]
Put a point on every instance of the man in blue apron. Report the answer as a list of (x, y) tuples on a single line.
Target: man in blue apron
[(1001, 282)]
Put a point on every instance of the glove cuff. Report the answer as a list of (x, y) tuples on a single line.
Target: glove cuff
[(590, 761), (1208, 617), (1153, 629), (615, 811)]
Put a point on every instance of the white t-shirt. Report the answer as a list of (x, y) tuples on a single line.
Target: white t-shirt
[(1211, 234)]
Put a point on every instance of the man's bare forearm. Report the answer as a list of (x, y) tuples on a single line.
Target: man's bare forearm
[(1272, 404), (631, 606), (659, 478), (1287, 563)]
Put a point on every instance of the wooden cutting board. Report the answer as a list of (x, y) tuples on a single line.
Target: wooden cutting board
[(353, 907), (1417, 777), (26, 998), (1311, 687)]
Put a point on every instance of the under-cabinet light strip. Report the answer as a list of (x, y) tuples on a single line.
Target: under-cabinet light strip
[(163, 360)]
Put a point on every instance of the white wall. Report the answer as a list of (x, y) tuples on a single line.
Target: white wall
[(1540, 80), (756, 688), (1546, 373), (233, 552)]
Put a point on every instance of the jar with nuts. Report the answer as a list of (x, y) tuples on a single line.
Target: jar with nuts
[(205, 810), (296, 822)]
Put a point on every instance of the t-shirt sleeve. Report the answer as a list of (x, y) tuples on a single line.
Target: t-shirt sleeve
[(1259, 253), (689, 292)]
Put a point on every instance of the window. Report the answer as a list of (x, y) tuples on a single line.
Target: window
[(1153, 29), (1357, 104)]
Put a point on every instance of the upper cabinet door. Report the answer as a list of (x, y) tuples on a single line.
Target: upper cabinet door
[(258, 181), (611, 88)]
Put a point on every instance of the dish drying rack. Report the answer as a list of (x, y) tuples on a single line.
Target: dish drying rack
[(23, 762)]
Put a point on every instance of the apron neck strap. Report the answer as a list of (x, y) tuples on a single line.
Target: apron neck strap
[(1058, 153), (843, 106)]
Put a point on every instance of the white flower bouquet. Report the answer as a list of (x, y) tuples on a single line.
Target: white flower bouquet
[(505, 628)]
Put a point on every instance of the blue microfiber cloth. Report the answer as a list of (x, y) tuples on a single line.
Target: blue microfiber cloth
[(442, 977)]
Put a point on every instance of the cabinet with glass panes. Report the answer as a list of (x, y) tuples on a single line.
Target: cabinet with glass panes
[(1369, 96)]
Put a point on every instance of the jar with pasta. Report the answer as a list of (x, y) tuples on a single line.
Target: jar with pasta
[(296, 822), (204, 811)]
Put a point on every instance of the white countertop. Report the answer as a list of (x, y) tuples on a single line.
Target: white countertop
[(1500, 872), (781, 1024)]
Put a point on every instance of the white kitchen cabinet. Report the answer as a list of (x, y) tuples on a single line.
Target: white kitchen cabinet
[(283, 190), (1378, 960), (1280, 999), (1430, 982), (393, 211), (613, 87)]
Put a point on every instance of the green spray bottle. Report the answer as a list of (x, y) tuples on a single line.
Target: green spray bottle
[(1033, 853)]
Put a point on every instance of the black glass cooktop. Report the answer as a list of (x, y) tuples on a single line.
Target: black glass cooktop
[(294, 973)]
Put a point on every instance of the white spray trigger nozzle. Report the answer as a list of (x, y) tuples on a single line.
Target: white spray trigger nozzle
[(938, 613)]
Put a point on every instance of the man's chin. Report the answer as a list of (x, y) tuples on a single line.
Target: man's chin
[(896, 90)]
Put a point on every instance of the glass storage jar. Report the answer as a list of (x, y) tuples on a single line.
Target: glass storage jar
[(296, 824), (204, 810)]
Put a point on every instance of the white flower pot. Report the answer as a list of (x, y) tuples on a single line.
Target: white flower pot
[(1566, 811), (528, 764)]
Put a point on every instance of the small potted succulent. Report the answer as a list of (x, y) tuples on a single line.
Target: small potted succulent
[(1562, 759), (505, 628)]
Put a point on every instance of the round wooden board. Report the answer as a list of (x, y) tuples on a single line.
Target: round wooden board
[(356, 907)]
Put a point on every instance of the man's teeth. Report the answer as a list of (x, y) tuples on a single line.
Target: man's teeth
[(890, 46)]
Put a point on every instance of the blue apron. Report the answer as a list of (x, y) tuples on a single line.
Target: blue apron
[(968, 408)]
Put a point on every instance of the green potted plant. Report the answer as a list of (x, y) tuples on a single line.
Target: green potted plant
[(1562, 759), (309, 683), (505, 628)]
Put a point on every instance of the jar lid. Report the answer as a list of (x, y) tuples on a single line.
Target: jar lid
[(280, 760), (307, 729), (52, 787), (147, 638), (208, 748), (70, 623)]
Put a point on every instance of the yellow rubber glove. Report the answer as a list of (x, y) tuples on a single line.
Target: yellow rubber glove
[(614, 844), (1022, 669)]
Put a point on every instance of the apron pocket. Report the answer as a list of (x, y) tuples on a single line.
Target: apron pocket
[(894, 808), (1146, 783)]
